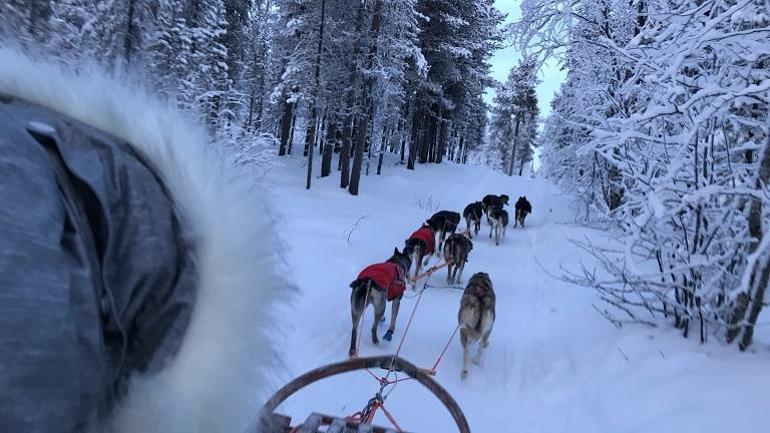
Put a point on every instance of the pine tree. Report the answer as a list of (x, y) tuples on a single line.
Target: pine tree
[(456, 40), (515, 116), (170, 48), (205, 87)]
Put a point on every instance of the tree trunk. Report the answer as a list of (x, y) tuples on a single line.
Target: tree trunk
[(329, 146), (441, 141), (461, 150), (128, 38), (251, 113), (427, 139), (363, 127), (310, 145), (310, 137), (287, 122), (347, 132), (291, 135), (514, 145), (358, 157), (413, 143), (381, 156), (404, 126), (350, 106), (748, 303), (321, 140)]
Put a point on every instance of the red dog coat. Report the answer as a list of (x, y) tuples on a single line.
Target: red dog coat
[(425, 234), (388, 276)]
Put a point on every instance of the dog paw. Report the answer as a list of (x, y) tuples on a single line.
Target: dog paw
[(353, 353), (476, 360), (388, 335), (464, 374)]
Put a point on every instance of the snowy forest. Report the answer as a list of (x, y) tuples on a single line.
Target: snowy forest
[(342, 81), (661, 128)]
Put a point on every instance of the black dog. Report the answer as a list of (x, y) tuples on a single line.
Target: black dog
[(472, 215), (498, 221), (523, 208), (491, 201), (443, 222)]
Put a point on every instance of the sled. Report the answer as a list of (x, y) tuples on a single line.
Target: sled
[(271, 422)]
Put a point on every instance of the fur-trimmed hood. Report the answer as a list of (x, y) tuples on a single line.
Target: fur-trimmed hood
[(222, 371)]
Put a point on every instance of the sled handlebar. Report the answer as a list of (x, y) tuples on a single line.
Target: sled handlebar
[(387, 362)]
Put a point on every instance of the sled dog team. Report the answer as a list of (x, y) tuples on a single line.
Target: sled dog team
[(382, 282)]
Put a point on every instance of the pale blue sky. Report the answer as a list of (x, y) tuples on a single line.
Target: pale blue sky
[(502, 62)]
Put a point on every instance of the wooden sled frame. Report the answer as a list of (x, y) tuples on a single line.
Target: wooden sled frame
[(270, 422)]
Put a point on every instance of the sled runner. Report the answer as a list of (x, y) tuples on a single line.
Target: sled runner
[(271, 422)]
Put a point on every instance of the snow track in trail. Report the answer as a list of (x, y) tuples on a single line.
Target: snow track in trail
[(553, 365)]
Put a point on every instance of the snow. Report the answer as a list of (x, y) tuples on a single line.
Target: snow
[(553, 365)]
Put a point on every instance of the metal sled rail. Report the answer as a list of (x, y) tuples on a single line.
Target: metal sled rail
[(270, 422)]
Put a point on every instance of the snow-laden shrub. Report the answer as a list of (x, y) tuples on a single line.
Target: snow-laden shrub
[(661, 128)]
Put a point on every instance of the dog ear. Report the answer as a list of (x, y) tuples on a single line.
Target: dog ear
[(395, 251)]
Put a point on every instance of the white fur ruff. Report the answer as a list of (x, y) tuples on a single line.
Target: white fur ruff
[(222, 372)]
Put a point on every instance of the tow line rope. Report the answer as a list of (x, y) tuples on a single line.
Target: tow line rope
[(429, 272)]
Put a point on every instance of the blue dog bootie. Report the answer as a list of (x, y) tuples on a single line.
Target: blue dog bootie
[(388, 335)]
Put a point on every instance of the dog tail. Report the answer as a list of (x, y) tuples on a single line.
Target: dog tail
[(487, 320), (469, 315)]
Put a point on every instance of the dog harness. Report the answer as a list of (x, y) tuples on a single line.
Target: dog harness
[(387, 276), (425, 234)]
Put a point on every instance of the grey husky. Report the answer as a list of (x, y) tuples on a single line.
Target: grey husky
[(476, 317), (498, 220), (376, 285), (456, 250)]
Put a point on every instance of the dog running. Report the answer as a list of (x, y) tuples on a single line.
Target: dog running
[(523, 208), (443, 223), (376, 285), (476, 317), (456, 251), (472, 215), (491, 201), (420, 246), (498, 220)]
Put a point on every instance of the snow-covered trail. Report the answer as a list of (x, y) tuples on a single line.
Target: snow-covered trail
[(553, 364)]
